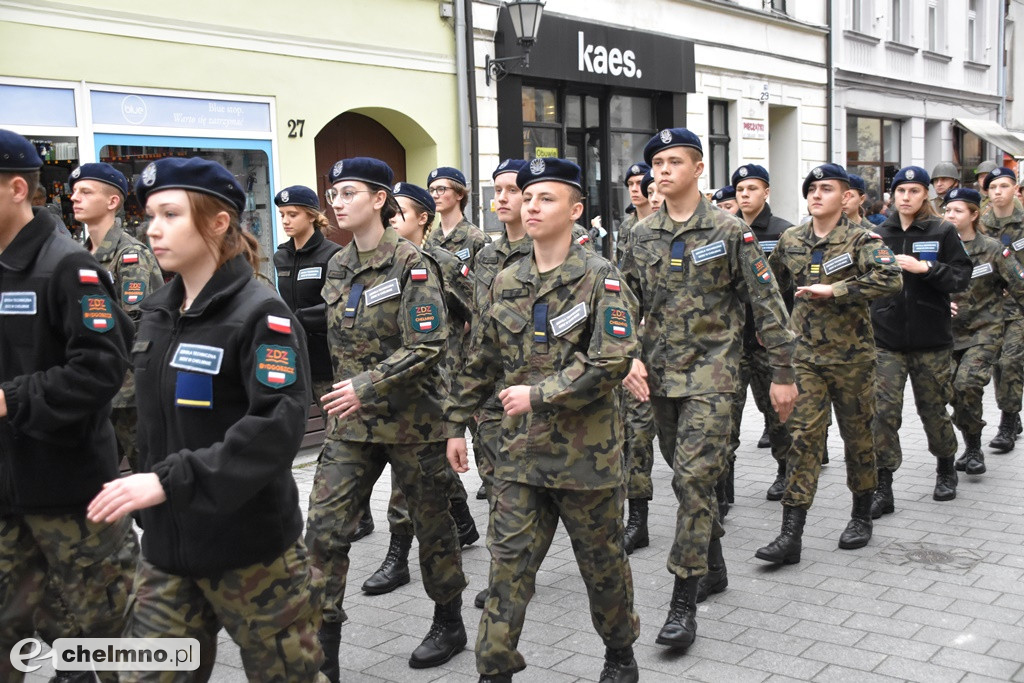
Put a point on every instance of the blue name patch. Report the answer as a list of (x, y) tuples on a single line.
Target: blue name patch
[(708, 252), (310, 273), (18, 303), (768, 246), (463, 254), (925, 247), (837, 263), (198, 358)]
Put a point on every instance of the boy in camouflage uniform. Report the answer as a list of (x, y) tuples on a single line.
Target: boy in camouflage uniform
[(556, 341)]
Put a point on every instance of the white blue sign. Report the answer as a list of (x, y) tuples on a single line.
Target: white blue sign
[(160, 111), (32, 106)]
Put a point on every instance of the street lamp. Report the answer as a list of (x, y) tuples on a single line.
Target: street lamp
[(525, 15)]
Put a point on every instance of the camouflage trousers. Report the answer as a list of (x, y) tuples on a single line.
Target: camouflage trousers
[(321, 388), (932, 382), (850, 388), (972, 370), (756, 372), (486, 443), (270, 609), (1009, 372), (63, 564), (638, 446), (522, 523), (126, 426), (399, 521), (693, 433), (345, 475)]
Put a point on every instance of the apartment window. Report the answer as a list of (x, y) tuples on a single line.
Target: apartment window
[(718, 141), (936, 26), (974, 28), (860, 16), (873, 151), (779, 6), (896, 21)]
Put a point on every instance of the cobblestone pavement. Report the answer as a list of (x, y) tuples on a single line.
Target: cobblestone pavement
[(938, 594)]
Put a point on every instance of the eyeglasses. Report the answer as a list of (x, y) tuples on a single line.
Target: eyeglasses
[(439, 190), (346, 196)]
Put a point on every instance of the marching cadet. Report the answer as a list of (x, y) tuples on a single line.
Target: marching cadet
[(638, 200), (979, 320), (944, 178), (837, 268), (914, 335), (1005, 222), (459, 236), (752, 185), (98, 192), (980, 173), (63, 356), (853, 203), (725, 199), (223, 393), (387, 327), (413, 222), (693, 268), (555, 342)]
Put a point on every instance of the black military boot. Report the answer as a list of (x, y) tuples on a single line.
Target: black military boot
[(446, 638), (716, 580), (858, 531), (785, 549), (365, 526), (882, 502), (824, 454), (481, 599), (680, 628), (464, 522), (619, 666), (766, 437), (945, 479), (481, 493), (636, 535), (394, 570), (730, 483), (1006, 437), (972, 452), (722, 499), (330, 641), (778, 486)]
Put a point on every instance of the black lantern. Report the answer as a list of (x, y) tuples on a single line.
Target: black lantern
[(525, 15)]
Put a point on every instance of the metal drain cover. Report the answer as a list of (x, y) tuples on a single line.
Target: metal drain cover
[(938, 558)]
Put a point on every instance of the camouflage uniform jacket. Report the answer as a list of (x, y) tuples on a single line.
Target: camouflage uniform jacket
[(981, 312), (767, 228), (693, 280), (1009, 232), (465, 240), (859, 268), (569, 335), (135, 275), (458, 284), (580, 234), (622, 237), (387, 328)]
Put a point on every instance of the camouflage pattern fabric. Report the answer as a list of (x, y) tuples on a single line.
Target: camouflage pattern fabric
[(92, 566), (982, 308), (972, 370), (1009, 372), (271, 610), (399, 521), (126, 426), (756, 372), (638, 446), (465, 241), (622, 237), (345, 476), (931, 378)]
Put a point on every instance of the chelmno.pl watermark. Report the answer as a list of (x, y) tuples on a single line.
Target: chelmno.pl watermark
[(108, 654)]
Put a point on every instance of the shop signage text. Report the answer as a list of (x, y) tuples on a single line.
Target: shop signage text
[(754, 130), (160, 111)]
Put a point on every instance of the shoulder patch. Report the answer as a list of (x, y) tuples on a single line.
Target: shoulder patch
[(884, 256), (423, 317), (617, 322), (463, 253), (464, 270), (279, 324), (133, 291), (583, 239), (418, 274), (761, 270), (748, 237), (88, 276), (130, 257), (275, 365), (612, 285), (98, 313)]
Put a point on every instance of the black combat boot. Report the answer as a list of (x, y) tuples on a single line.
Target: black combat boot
[(481, 599), (858, 531), (882, 502), (973, 460), (1006, 437), (716, 580), (680, 628), (824, 454), (464, 522), (330, 641), (730, 483), (394, 570), (778, 486), (446, 638), (786, 548), (481, 493), (722, 499), (766, 437), (619, 666), (636, 535), (365, 526), (945, 479)]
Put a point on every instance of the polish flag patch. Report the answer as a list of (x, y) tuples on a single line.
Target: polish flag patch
[(277, 324), (583, 239), (99, 324), (748, 237), (418, 274), (612, 285), (88, 276), (130, 258), (464, 270), (1006, 252), (276, 377)]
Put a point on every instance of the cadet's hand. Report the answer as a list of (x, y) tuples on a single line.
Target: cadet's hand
[(911, 264), (636, 381), (457, 455), (815, 291), (953, 310), (3, 404), (124, 496), (516, 400), (783, 398), (343, 401)]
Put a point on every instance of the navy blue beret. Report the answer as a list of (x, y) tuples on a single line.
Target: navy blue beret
[(724, 194), (449, 173), (417, 194), (17, 153), (963, 194), (509, 166), (195, 174), (550, 168), (910, 174), (857, 183), (102, 172), (825, 172), (364, 169), (1000, 172), (645, 184), (298, 195), (671, 137), (748, 171), (639, 169)]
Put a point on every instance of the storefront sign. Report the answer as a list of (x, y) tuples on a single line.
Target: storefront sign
[(31, 106), (159, 111), (580, 52), (754, 130), (545, 152)]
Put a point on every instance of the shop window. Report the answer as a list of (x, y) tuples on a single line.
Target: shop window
[(542, 127), (968, 152), (873, 151), (718, 142), (60, 157)]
